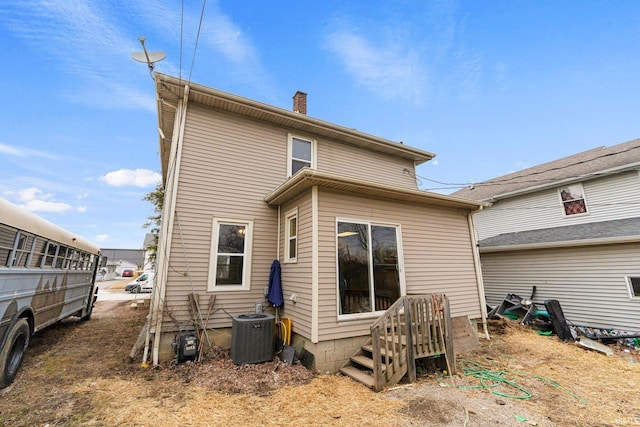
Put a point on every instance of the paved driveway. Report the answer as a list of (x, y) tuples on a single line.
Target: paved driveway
[(113, 290)]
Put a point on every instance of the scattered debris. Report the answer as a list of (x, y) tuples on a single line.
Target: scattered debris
[(594, 345)]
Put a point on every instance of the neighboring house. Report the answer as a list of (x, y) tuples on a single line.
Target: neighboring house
[(570, 227), (120, 259), (247, 183), (149, 254)]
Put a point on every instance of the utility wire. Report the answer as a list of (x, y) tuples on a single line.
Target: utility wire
[(204, 3), (517, 179), (181, 40)]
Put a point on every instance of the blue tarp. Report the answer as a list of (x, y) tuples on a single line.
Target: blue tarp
[(275, 296)]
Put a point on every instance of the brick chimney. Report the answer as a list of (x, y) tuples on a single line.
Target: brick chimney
[(300, 102)]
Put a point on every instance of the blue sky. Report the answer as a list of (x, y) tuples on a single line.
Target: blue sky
[(490, 86)]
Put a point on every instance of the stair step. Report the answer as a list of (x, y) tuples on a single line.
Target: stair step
[(367, 362), (364, 377), (369, 348)]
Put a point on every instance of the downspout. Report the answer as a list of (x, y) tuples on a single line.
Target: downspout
[(167, 229), (314, 266), (476, 262), (278, 238)]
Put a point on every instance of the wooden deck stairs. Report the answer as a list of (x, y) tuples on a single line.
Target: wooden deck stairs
[(414, 327)]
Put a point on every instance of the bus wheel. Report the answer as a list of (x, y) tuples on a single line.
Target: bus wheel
[(12, 353)]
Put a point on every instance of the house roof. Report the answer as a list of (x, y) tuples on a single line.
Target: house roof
[(133, 256), (578, 167), (170, 90), (604, 232), (307, 178)]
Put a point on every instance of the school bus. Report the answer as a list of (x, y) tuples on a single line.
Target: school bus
[(46, 274)]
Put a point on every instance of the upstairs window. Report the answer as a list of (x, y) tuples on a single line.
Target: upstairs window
[(301, 154), (230, 263), (291, 242), (573, 200)]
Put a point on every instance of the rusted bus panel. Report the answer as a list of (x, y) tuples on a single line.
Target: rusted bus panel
[(49, 295)]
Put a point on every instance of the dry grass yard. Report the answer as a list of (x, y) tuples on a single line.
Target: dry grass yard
[(79, 374)]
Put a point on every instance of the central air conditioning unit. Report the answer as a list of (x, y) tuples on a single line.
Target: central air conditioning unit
[(252, 338)]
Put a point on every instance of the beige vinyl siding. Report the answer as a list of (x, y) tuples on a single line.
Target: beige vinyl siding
[(222, 157), (437, 255), (609, 198), (296, 277), (588, 281), (355, 162)]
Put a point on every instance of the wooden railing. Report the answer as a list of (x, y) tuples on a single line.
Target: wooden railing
[(415, 326)]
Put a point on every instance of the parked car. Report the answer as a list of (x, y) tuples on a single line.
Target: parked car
[(144, 283), (127, 272)]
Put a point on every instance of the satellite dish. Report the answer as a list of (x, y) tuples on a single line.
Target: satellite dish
[(148, 57)]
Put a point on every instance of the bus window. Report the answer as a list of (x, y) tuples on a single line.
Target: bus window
[(23, 249), (38, 253), (62, 254), (7, 238), (52, 249), (71, 259)]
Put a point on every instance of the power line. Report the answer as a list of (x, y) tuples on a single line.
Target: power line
[(517, 180), (204, 3)]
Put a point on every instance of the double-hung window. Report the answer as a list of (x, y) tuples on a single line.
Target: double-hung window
[(230, 262), (369, 260), (291, 236), (301, 154), (573, 200)]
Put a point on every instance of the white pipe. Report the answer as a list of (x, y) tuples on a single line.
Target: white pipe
[(278, 239), (167, 231), (476, 261)]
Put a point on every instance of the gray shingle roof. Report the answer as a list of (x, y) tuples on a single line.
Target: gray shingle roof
[(582, 164), (629, 227)]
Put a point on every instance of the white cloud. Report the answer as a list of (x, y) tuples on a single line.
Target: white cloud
[(36, 200), (12, 151), (129, 177), (102, 237), (25, 152), (390, 68), (434, 162), (46, 206), (81, 209)]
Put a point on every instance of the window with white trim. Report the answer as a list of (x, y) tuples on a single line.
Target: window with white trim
[(230, 263), (633, 282), (573, 200), (301, 154), (369, 258), (291, 236)]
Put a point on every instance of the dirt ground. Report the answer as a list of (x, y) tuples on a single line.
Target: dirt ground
[(79, 374)]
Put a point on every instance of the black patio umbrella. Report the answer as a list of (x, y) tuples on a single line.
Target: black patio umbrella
[(274, 296)]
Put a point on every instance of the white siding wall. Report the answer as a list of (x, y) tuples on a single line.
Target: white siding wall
[(608, 198), (588, 281), (437, 256)]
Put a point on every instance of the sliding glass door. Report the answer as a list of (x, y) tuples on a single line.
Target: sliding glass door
[(368, 267)]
